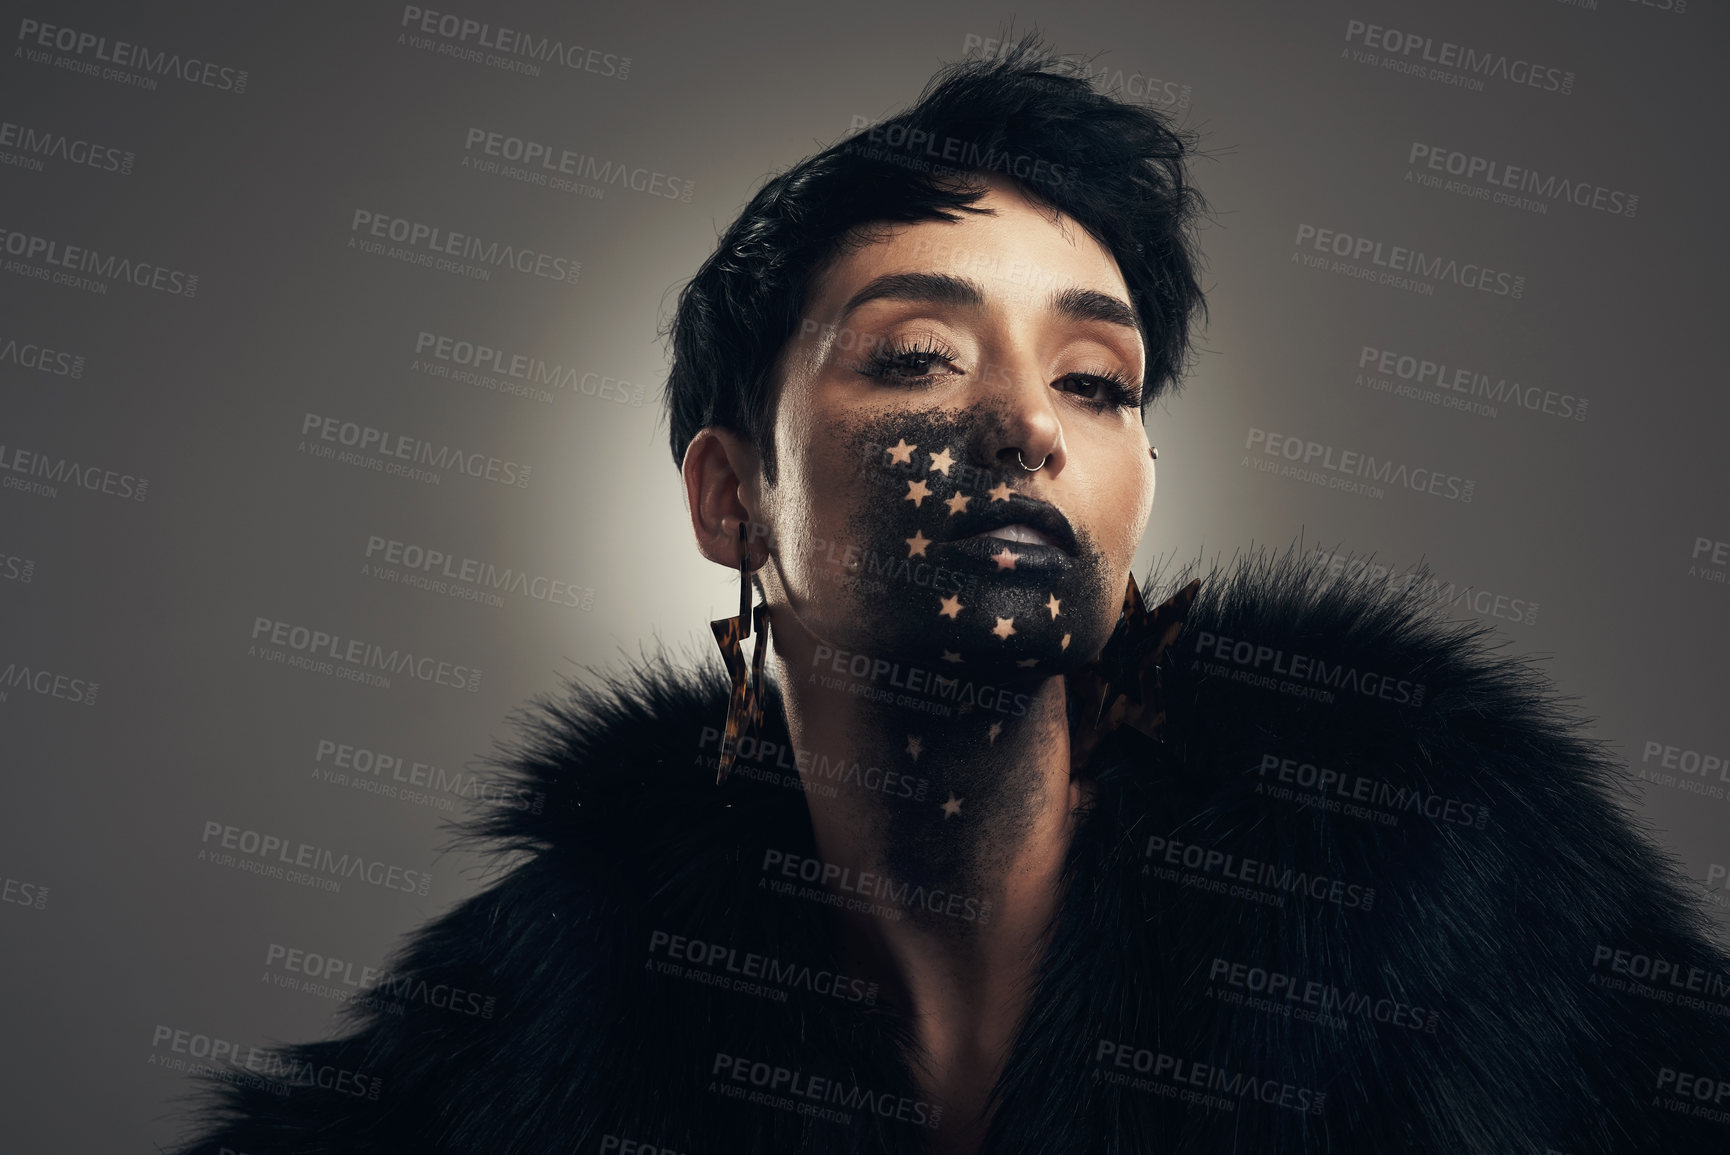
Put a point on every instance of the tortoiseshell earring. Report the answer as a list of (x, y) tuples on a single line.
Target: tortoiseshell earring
[(1122, 687), (745, 704)]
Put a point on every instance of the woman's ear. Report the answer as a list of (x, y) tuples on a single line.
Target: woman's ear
[(723, 480)]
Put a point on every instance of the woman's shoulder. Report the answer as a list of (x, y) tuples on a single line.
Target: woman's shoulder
[(491, 1021), (1373, 827)]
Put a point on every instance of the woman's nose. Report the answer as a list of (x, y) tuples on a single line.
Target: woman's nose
[(1027, 435)]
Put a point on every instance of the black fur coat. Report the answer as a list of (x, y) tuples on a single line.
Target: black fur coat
[(1372, 893)]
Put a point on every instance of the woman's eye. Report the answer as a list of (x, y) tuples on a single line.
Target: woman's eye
[(917, 364), (907, 364), (1104, 389)]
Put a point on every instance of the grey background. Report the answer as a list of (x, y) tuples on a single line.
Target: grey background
[(1594, 521)]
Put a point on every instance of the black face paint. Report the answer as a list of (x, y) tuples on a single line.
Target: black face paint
[(928, 589), (941, 647)]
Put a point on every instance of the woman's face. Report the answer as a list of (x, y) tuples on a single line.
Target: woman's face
[(904, 527)]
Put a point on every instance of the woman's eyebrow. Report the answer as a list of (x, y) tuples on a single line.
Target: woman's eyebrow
[(1073, 304), (932, 288), (1092, 305)]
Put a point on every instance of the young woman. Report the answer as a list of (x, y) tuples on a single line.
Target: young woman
[(973, 850)]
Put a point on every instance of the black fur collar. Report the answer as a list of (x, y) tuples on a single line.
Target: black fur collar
[(1399, 918)]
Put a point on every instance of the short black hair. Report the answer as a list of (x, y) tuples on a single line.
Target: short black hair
[(1117, 169)]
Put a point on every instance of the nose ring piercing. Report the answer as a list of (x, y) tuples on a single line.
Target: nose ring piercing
[(1033, 468)]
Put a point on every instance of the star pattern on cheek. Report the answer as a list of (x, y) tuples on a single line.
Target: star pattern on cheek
[(1000, 492), (941, 461), (917, 492), (951, 656), (996, 729), (914, 746), (901, 453), (1004, 627), (1052, 603), (917, 543), (951, 607), (1006, 559), (957, 503), (952, 807)]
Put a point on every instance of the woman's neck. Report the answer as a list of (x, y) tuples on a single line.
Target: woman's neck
[(956, 798)]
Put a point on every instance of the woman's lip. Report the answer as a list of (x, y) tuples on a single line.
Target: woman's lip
[(1018, 534)]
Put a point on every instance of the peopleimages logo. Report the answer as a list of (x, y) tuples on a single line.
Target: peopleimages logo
[(274, 1071), (353, 658), (1347, 464), (1438, 596), (549, 165), (518, 374), (34, 145), (1397, 260), (1275, 880), (1168, 1073), (426, 242), (1436, 381), (40, 358), (437, 569), (1501, 183), (46, 683), (1253, 658), (921, 151), (508, 48), (328, 976), (89, 46), (1119, 82), (41, 473), (1447, 61), (274, 849), (747, 971), (407, 454), (89, 269)]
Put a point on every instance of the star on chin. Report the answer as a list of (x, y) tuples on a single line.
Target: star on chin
[(1006, 559), (1004, 627), (1000, 492), (901, 453), (941, 461), (951, 607), (1051, 603), (916, 548), (952, 807), (917, 492)]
